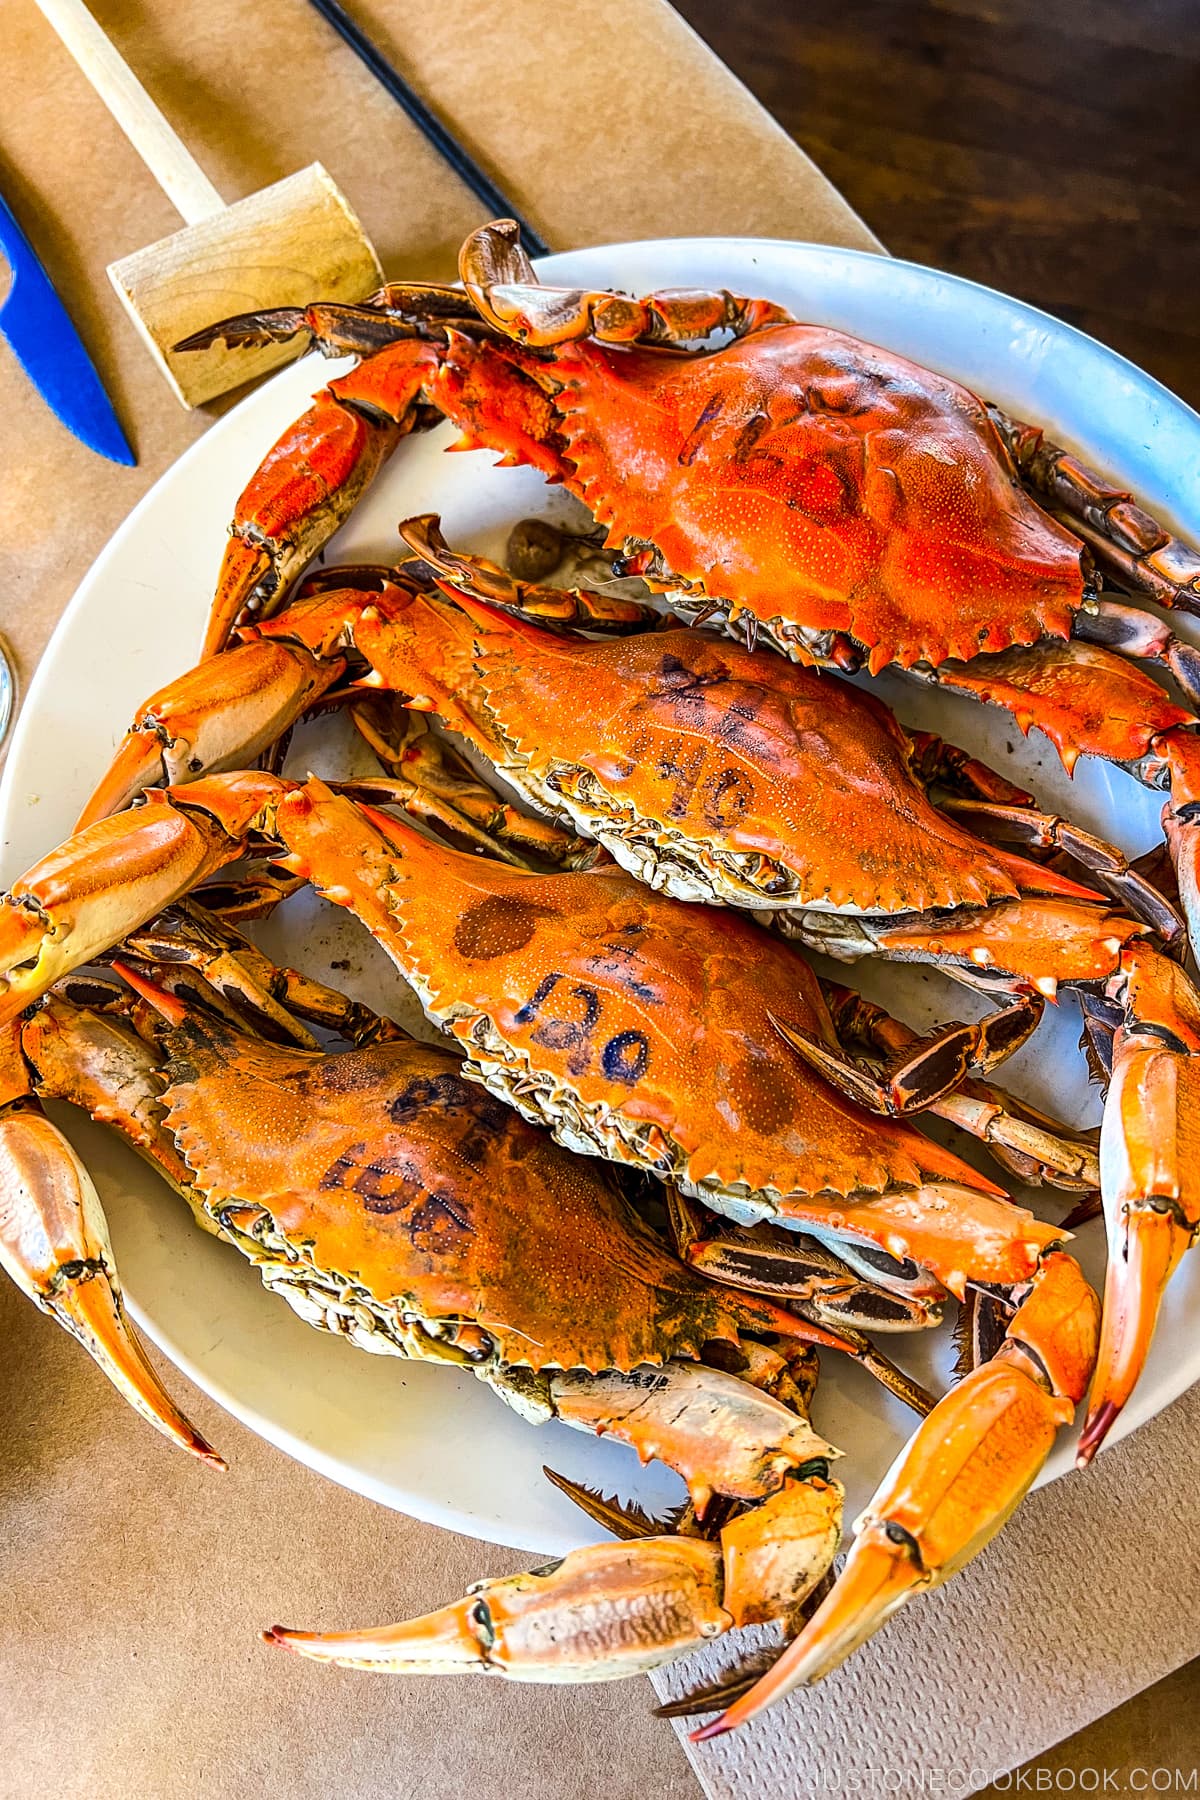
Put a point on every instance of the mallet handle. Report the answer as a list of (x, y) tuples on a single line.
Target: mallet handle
[(168, 159)]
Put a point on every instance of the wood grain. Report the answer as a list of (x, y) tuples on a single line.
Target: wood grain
[(1045, 147), (295, 241)]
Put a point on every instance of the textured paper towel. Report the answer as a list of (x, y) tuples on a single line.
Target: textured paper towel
[(1091, 1593)]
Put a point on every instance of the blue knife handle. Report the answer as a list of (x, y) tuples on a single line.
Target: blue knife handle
[(50, 350)]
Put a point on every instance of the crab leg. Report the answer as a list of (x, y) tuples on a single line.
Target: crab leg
[(1091, 702), (1131, 633), (936, 761), (1029, 825), (548, 605), (54, 1244), (304, 490), (1151, 1198), (932, 1067), (614, 1609), (1034, 1147), (719, 1433), (190, 937), (81, 1046), (248, 896), (315, 474), (799, 1268), (965, 1470), (501, 281), (1142, 554), (187, 938), (312, 479), (336, 328), (431, 781)]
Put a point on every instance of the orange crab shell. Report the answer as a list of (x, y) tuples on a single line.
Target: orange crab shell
[(390, 1169), (742, 753), (804, 475), (731, 749), (654, 1019)]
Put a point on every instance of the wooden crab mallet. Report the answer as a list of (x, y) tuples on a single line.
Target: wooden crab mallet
[(278, 247)]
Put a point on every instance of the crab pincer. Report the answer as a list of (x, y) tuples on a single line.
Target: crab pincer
[(613, 1609), (54, 1244), (107, 879), (1150, 1184), (318, 470), (220, 715), (964, 1471)]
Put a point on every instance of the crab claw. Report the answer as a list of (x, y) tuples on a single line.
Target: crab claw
[(105, 881), (54, 1244), (953, 1486), (220, 715), (613, 1609), (1152, 1243), (311, 480), (1151, 1191), (305, 487)]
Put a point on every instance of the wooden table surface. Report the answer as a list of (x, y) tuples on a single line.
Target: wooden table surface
[(1045, 147), (1048, 148)]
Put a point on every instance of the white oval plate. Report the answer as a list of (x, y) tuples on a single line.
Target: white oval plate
[(423, 1439)]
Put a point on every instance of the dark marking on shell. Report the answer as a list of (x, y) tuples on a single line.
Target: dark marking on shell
[(626, 1057), (695, 438), (725, 798), (497, 925)]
